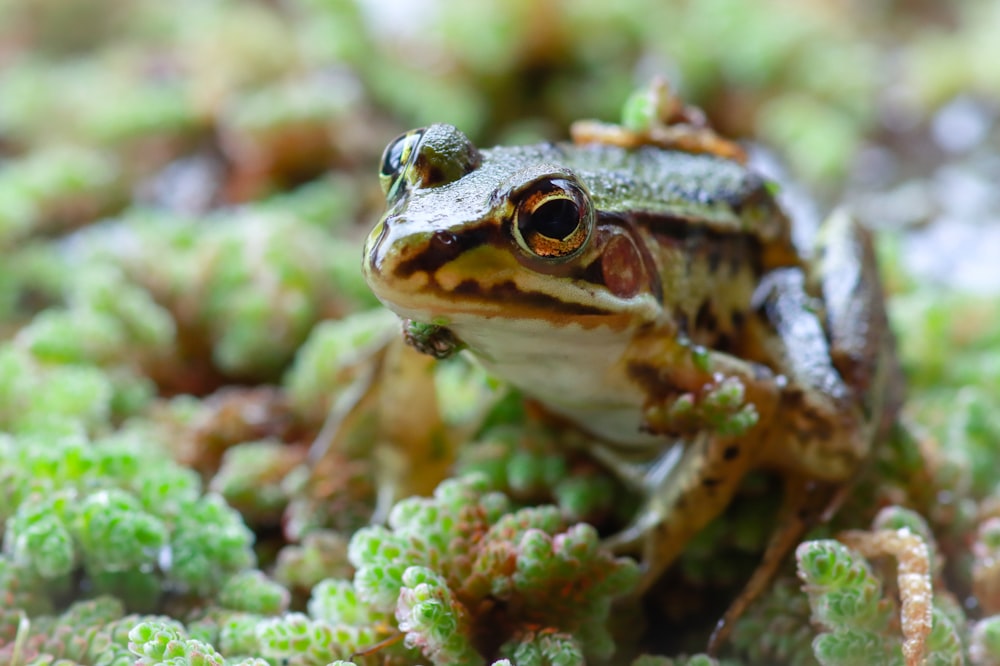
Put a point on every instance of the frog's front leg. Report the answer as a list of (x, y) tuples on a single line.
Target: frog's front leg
[(691, 390), (717, 408)]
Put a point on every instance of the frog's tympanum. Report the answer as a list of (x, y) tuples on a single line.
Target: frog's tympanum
[(654, 298)]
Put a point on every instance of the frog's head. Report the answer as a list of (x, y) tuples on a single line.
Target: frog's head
[(501, 243)]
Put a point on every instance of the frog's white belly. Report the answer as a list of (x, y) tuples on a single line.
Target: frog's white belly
[(575, 372)]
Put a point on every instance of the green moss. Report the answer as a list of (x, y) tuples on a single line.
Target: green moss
[(333, 355), (251, 591), (54, 190), (557, 576), (843, 590)]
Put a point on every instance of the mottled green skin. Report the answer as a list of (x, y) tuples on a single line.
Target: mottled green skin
[(700, 188)]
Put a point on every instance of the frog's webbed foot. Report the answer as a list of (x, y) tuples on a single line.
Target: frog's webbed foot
[(646, 478)]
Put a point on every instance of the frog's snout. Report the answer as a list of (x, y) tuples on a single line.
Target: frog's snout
[(394, 254)]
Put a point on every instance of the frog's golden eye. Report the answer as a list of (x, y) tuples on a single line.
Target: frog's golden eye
[(554, 218), (395, 158)]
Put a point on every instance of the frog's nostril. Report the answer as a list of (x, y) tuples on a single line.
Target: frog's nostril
[(443, 247), (442, 241)]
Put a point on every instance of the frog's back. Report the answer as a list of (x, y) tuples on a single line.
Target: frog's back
[(703, 190), (710, 225)]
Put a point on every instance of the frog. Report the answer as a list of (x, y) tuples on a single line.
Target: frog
[(649, 292)]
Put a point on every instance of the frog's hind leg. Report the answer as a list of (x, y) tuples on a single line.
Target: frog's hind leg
[(839, 367), (862, 346), (836, 354), (820, 432), (820, 438)]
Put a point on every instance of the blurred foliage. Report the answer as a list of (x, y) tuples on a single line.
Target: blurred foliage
[(183, 191)]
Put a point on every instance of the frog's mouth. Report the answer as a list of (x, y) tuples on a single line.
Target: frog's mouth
[(433, 339)]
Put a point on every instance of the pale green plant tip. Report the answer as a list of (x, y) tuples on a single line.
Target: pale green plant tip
[(432, 619), (337, 601), (164, 644), (984, 648), (251, 591), (854, 647), (829, 564), (36, 396), (209, 541), (944, 644), (545, 649), (102, 514), (640, 110)]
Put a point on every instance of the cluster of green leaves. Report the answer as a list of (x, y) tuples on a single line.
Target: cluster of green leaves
[(248, 283), (56, 189), (847, 598), (132, 520), (530, 463), (442, 558), (155, 292)]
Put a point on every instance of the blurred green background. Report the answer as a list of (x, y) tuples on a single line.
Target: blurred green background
[(817, 79)]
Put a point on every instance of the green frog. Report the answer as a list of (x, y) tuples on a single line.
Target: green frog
[(649, 292)]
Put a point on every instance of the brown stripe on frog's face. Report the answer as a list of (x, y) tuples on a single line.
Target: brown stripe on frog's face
[(465, 234)]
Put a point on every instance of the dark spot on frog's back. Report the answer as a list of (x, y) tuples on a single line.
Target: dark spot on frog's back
[(737, 319), (705, 320), (752, 193), (714, 259), (740, 249), (444, 246)]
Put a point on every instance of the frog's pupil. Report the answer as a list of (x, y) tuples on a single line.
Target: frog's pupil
[(393, 160), (556, 218)]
